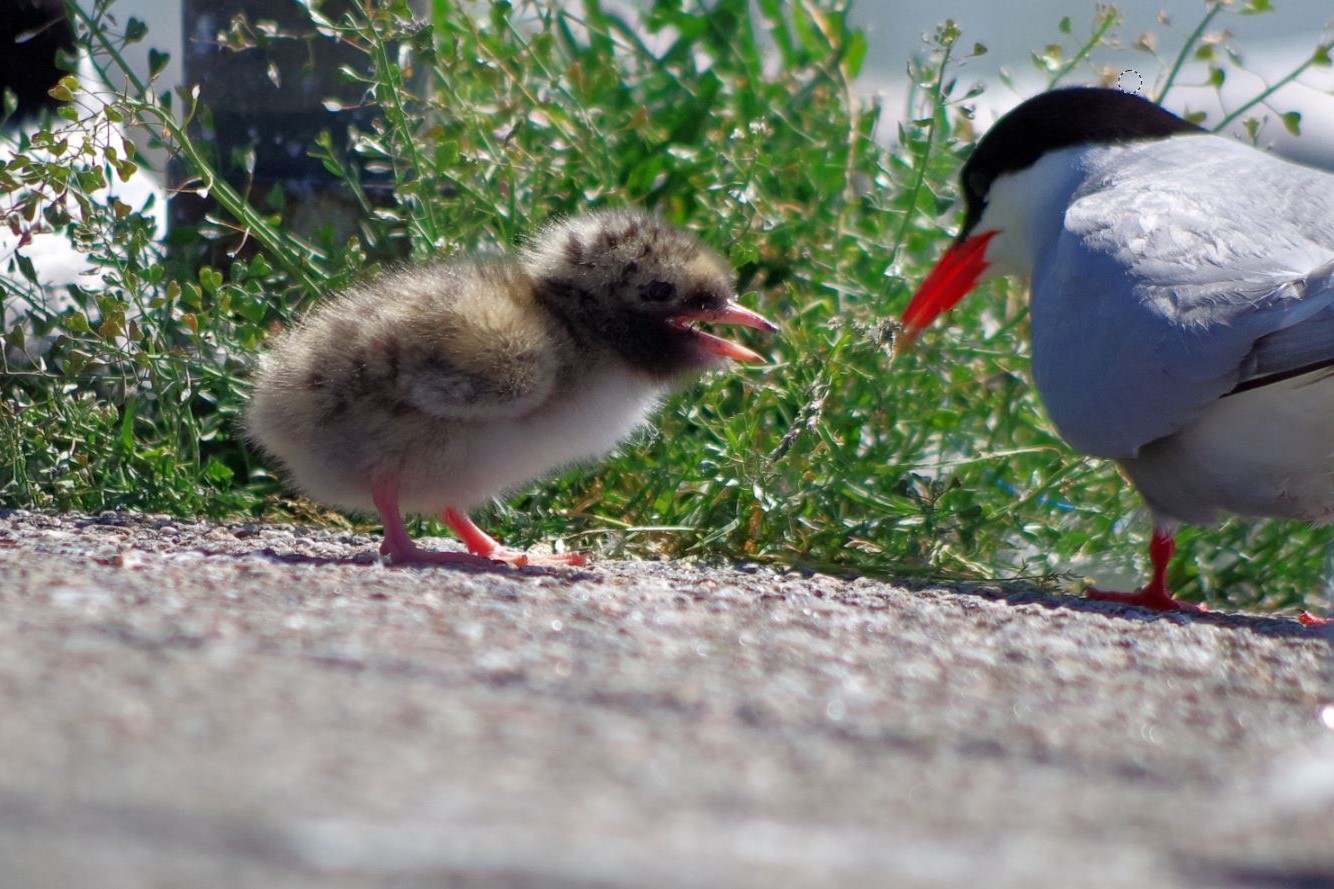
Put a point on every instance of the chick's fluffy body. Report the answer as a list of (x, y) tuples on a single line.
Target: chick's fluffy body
[(447, 377), (466, 378)]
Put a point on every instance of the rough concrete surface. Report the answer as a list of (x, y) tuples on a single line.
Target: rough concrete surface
[(196, 704)]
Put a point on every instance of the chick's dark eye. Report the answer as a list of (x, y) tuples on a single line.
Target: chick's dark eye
[(657, 291)]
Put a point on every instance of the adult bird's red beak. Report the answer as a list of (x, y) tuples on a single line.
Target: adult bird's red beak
[(951, 279)]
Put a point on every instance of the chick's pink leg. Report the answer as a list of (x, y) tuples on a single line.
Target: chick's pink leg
[(486, 546), (1155, 594), (397, 545)]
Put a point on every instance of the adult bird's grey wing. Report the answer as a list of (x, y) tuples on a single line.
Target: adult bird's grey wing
[(1300, 348), (1155, 298)]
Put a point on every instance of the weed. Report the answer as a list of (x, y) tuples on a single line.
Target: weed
[(740, 121)]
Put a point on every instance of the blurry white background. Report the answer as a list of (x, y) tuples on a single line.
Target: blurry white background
[(1271, 44)]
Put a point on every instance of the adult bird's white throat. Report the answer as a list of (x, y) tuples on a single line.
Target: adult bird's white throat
[(1182, 304)]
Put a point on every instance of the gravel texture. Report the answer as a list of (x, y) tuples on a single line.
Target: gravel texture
[(200, 704)]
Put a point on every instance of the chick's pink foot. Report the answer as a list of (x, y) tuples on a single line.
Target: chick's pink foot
[(415, 555), (398, 546), (484, 551), (1310, 620), (1154, 594), (486, 546)]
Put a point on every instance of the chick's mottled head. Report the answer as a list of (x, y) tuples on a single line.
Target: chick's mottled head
[(640, 286)]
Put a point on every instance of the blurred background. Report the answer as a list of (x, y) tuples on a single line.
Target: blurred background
[(1271, 45)]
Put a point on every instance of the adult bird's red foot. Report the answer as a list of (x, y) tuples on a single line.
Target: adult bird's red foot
[(436, 388), (1182, 304)]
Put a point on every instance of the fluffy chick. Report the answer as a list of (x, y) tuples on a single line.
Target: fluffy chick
[(435, 388)]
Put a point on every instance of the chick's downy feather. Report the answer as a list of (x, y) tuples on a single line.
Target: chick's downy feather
[(437, 387), (449, 377)]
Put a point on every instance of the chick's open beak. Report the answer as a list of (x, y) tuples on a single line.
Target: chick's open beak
[(731, 313)]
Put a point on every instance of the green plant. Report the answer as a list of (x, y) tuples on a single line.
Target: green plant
[(741, 122)]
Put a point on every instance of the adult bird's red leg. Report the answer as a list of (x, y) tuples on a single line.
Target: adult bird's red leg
[(1155, 593), (1310, 620), (486, 546), (397, 545)]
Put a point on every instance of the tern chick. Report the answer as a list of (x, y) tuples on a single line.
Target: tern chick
[(432, 389)]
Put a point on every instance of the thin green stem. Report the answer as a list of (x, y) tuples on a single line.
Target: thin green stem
[(1187, 49), (1109, 18), (1265, 94), (394, 102), (297, 257), (924, 157)]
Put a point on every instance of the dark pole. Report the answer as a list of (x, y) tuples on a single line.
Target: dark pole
[(266, 98)]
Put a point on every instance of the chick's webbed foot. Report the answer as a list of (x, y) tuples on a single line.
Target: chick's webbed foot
[(1154, 594), (486, 546)]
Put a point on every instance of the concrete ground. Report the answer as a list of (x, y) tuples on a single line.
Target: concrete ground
[(195, 704)]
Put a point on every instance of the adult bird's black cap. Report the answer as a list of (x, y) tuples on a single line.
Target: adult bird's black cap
[(1063, 118)]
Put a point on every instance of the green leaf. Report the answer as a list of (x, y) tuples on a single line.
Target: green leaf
[(157, 60), (26, 268), (15, 338), (218, 472), (855, 55), (64, 90), (129, 410), (1292, 122), (210, 279)]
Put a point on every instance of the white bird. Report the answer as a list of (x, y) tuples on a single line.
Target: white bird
[(1181, 304), (433, 389)]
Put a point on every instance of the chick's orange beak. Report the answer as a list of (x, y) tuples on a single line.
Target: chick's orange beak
[(729, 314), (951, 279)]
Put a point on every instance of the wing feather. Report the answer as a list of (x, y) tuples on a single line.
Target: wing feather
[(1304, 346), (1158, 297)]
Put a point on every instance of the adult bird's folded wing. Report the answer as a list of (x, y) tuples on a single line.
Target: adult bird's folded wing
[(1303, 347)]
